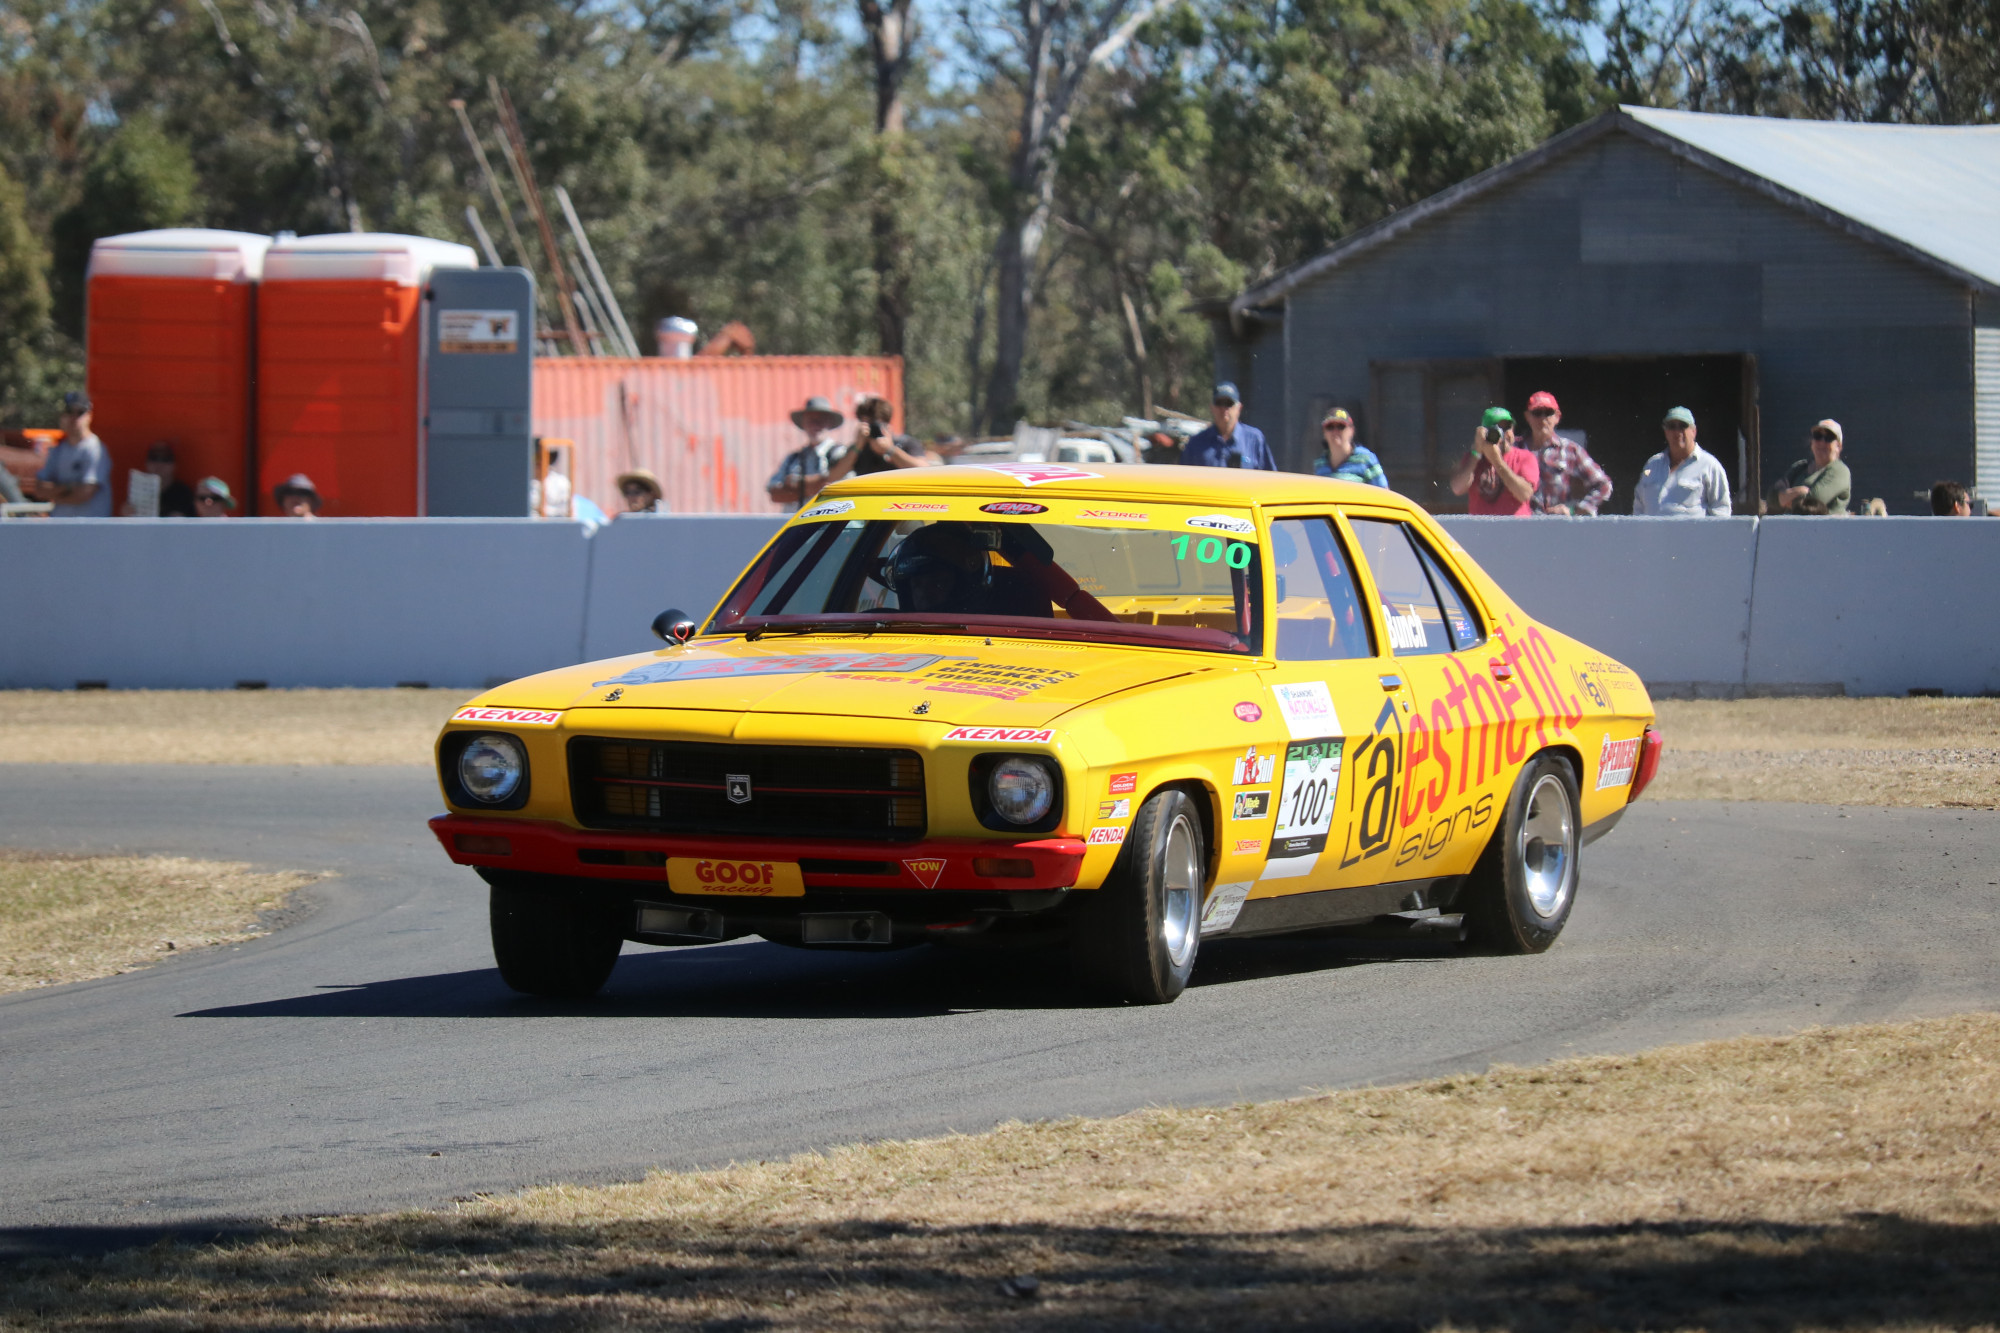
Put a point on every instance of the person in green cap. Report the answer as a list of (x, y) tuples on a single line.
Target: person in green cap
[(212, 498), (1496, 476)]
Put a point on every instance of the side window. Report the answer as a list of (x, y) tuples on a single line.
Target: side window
[(1409, 605), (1458, 617), (1319, 614)]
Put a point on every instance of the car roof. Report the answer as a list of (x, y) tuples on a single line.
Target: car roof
[(1164, 482)]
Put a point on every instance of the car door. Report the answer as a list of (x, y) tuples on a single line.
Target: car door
[(1472, 724), (1328, 796)]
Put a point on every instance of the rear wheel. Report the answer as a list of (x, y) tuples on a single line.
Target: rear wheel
[(550, 943), (1136, 937), (1519, 896)]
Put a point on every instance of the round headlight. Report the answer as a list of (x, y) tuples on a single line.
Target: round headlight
[(1022, 790), (491, 768)]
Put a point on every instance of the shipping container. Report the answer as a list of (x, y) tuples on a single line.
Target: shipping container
[(168, 352), (339, 341), (712, 428)]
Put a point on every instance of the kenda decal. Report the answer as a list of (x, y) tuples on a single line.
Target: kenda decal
[(1011, 735), (520, 717)]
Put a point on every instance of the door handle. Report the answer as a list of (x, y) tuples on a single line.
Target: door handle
[(1392, 682)]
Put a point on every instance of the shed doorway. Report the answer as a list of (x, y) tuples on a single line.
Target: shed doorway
[(1422, 415)]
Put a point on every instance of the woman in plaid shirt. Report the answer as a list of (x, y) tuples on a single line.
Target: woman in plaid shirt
[(1572, 483)]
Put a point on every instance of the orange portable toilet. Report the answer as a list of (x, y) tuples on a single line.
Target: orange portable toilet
[(168, 349), (339, 339)]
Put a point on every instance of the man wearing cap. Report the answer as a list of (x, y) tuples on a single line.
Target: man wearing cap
[(799, 478), (76, 476), (642, 491), (1345, 459), (296, 497), (1819, 484), (212, 498), (1228, 443), (1497, 477), (1572, 483), (1683, 480)]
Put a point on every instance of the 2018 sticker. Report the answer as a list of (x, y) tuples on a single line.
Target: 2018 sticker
[(828, 510), (1305, 808), (1013, 507), (1120, 809), (1252, 768), (1026, 735), (1248, 712), (1307, 709), (1110, 833), (1615, 762), (525, 717), (1251, 805), (1124, 782)]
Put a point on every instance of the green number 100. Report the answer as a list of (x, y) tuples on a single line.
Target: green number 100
[(1210, 550)]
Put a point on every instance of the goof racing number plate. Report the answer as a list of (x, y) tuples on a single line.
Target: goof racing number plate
[(743, 879)]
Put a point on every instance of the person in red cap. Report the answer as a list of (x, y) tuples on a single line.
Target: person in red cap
[(1572, 483)]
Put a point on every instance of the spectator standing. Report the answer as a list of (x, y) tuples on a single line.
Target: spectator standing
[(1950, 499), (642, 492), (1346, 459), (297, 497), (1683, 480), (1497, 476), (876, 450), (76, 476), (1572, 482), (212, 498), (804, 471), (1820, 483), (1228, 443)]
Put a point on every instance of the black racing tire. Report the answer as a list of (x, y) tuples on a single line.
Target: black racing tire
[(1519, 896), (550, 943), (1136, 938)]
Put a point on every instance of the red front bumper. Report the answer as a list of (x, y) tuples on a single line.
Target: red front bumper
[(556, 849)]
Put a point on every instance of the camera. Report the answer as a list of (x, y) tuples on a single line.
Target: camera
[(1492, 434)]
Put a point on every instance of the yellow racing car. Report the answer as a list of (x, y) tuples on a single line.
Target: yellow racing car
[(1115, 709)]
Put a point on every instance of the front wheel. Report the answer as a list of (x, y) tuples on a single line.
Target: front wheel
[(1519, 896), (1136, 937), (552, 944)]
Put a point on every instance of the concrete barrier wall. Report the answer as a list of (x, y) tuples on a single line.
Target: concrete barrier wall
[(1713, 607)]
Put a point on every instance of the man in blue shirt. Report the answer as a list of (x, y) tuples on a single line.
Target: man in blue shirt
[(1344, 459), (76, 476), (1228, 443)]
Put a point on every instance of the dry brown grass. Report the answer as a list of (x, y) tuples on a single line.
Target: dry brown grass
[(66, 918), (1908, 752), (223, 726), (1838, 1179)]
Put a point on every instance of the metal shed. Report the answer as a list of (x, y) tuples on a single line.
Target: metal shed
[(1765, 273)]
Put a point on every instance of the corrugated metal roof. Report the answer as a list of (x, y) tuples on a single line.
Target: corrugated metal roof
[(1936, 188), (1932, 191)]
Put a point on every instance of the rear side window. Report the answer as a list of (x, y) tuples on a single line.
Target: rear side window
[(1411, 604), (1319, 616), (1458, 617)]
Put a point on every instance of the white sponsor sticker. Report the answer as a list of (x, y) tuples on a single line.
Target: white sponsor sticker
[(1118, 809), (1308, 710), (1305, 808), (1252, 769), (1110, 833), (828, 510), (1032, 735), (1223, 905), (520, 717), (1243, 527), (1037, 474), (1616, 761)]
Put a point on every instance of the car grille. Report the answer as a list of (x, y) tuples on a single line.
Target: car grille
[(793, 791)]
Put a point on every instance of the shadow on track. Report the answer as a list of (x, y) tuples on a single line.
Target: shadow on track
[(754, 979)]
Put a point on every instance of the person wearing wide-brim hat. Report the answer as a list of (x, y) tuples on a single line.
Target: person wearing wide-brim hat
[(642, 491), (297, 497), (799, 478)]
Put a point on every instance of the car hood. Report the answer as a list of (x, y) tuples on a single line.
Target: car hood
[(963, 681)]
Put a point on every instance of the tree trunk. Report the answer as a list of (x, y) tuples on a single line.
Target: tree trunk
[(890, 36)]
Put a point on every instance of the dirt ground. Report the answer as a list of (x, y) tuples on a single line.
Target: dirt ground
[(1837, 1179), (1921, 752), (66, 918)]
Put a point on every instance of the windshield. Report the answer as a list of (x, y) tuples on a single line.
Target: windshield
[(1185, 586)]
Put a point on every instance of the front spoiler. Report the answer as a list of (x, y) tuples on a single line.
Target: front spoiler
[(541, 848)]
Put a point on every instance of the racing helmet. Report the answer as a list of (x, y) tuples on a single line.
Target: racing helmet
[(939, 567)]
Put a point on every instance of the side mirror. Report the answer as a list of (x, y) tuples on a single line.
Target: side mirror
[(673, 627)]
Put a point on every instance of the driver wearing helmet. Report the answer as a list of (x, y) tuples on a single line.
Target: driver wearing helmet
[(944, 567)]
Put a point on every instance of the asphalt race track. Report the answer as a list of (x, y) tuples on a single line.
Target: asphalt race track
[(366, 1055)]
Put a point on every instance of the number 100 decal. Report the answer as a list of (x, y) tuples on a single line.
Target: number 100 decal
[(1305, 808)]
